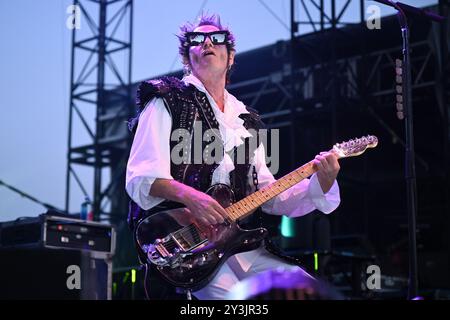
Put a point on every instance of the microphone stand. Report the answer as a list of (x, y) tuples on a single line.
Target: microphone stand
[(410, 169)]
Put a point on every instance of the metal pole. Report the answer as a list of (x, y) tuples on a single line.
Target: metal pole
[(293, 94), (69, 135), (100, 110), (410, 167)]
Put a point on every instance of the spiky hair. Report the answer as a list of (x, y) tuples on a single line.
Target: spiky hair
[(203, 20)]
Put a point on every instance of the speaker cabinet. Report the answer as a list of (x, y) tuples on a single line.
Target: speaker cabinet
[(54, 274)]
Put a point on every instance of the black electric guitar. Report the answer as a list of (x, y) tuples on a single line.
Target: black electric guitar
[(189, 257)]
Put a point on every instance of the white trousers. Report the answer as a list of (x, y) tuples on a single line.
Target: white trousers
[(232, 272)]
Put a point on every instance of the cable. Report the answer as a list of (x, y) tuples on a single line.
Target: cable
[(274, 15), (145, 282), (198, 13)]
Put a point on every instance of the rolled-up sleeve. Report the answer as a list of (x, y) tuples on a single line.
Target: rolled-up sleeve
[(150, 154), (301, 199)]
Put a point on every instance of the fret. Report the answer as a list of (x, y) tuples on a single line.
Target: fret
[(265, 193), (262, 196), (232, 212), (247, 203), (251, 201), (299, 174), (309, 168), (292, 180), (276, 188), (239, 211), (284, 183), (244, 208), (257, 199), (254, 200), (273, 191), (276, 185), (238, 208), (235, 215)]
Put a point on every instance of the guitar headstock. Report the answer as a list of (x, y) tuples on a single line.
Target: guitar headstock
[(355, 147)]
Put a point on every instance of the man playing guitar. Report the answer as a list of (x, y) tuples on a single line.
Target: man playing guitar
[(153, 176)]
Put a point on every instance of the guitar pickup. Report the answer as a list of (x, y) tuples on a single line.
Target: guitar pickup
[(162, 250), (184, 244)]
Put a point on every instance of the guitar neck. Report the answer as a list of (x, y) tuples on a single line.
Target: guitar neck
[(244, 207)]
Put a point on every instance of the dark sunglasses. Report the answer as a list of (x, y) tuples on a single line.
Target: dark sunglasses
[(197, 38)]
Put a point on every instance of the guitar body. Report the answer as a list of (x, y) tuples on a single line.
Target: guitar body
[(187, 256)]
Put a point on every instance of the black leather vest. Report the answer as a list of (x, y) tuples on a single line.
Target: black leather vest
[(190, 107)]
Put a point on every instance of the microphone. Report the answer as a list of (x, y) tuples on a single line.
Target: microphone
[(418, 12)]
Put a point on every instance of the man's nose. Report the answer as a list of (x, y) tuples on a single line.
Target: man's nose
[(208, 42)]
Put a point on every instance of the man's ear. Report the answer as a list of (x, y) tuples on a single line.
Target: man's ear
[(186, 63), (231, 58)]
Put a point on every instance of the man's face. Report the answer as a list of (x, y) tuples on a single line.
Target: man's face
[(208, 57)]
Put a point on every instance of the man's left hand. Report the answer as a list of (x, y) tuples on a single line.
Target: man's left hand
[(328, 168)]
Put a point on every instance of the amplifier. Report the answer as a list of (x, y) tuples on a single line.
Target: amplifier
[(50, 231), (54, 274)]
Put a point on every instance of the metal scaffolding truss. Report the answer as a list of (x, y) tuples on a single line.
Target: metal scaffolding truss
[(100, 96), (320, 16), (315, 81), (323, 14)]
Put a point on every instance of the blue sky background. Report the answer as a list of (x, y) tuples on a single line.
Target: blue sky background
[(35, 79)]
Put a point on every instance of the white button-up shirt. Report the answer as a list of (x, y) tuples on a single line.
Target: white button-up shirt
[(150, 159)]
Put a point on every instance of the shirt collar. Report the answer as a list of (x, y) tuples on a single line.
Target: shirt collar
[(235, 107), (231, 126)]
